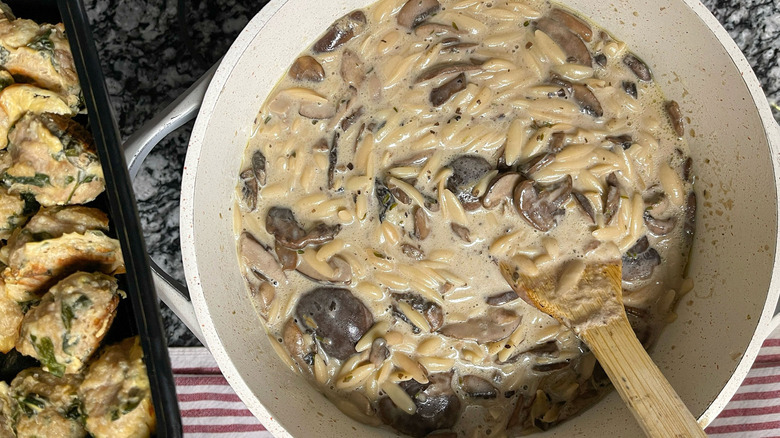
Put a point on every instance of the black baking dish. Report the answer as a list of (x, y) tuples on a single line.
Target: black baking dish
[(138, 314)]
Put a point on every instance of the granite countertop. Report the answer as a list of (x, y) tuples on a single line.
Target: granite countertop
[(153, 50)]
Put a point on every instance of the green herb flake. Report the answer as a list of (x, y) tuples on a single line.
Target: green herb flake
[(45, 351), (39, 180), (455, 26), (267, 119), (42, 43)]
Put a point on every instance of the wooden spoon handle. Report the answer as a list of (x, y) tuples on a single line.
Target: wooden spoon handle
[(652, 400)]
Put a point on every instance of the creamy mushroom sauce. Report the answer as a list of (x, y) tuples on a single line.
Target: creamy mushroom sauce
[(417, 158)]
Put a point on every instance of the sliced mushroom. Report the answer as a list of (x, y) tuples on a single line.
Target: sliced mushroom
[(637, 66), (639, 261), (443, 93), (336, 318), (415, 12), (307, 68), (421, 227), (613, 198), (537, 163), (659, 227), (556, 142), (259, 260), (502, 298), (462, 232), (497, 324), (431, 311), (586, 205), (686, 170), (292, 338), (541, 208), (350, 120), (574, 24), (446, 69), (676, 117), (287, 257), (600, 59), (630, 88), (467, 171), (437, 407), (399, 194), (477, 387), (342, 271), (341, 31), (456, 46), (249, 189), (333, 154), (282, 224), (587, 100), (379, 352), (500, 189), (385, 198), (412, 252), (352, 68), (572, 45), (624, 141)]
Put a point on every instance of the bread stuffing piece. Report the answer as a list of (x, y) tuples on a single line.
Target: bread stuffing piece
[(10, 320), (39, 54), (66, 327), (18, 99), (116, 394), (6, 412), (14, 210), (53, 158), (47, 405)]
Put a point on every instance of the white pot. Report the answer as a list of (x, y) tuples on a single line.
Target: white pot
[(705, 354)]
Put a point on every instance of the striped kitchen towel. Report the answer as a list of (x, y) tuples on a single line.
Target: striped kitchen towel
[(209, 407)]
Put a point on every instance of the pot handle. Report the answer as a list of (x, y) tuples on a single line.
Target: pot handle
[(137, 147)]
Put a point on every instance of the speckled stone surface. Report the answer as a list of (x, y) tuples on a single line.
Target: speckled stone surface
[(152, 50)]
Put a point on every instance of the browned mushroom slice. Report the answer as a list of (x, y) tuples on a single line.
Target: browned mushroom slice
[(333, 154), (676, 117), (437, 407), (431, 311), (282, 224), (600, 59), (379, 352), (336, 318), (630, 89), (385, 198), (496, 325), (500, 189), (613, 198), (659, 227), (352, 68), (571, 44), (421, 227), (446, 69), (462, 232), (292, 339), (574, 24), (639, 261), (637, 66), (350, 120), (502, 298), (307, 68), (541, 208), (537, 163), (415, 12), (287, 257), (556, 142), (686, 169), (586, 205), (249, 189), (412, 251), (399, 194), (624, 141), (258, 167), (467, 171), (587, 100), (477, 387), (343, 30), (443, 93), (341, 272), (258, 260)]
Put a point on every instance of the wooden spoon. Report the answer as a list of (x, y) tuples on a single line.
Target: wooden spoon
[(588, 298)]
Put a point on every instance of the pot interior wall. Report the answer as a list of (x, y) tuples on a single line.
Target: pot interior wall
[(732, 256)]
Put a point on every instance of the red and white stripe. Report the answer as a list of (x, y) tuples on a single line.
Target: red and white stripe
[(209, 407)]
